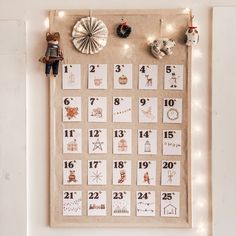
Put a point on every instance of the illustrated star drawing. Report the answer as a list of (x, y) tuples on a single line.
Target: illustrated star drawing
[(97, 145), (97, 176)]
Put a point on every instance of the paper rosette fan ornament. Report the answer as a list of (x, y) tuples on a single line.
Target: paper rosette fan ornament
[(89, 35)]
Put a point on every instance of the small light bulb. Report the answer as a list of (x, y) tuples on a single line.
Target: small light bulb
[(169, 28), (196, 79), (197, 53), (186, 10), (200, 179), (150, 39), (201, 203), (61, 13), (46, 23), (196, 104), (126, 46), (197, 129)]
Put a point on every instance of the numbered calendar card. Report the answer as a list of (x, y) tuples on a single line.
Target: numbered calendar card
[(120, 127)]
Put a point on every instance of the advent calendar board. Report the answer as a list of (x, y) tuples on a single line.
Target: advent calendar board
[(120, 126)]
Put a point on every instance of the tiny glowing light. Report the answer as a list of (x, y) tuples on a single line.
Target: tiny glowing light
[(201, 203), (196, 79), (200, 179), (126, 46), (197, 53), (186, 10), (201, 229), (197, 129), (46, 23), (169, 28), (61, 13), (196, 104), (150, 39), (198, 154)]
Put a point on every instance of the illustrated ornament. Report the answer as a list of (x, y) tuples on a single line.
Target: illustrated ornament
[(192, 35), (123, 30), (89, 35), (160, 48), (53, 54)]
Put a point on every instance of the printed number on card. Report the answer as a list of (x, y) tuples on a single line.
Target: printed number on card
[(170, 204), (97, 172), (121, 203), (122, 172), (145, 203), (172, 111), (97, 77), (170, 173), (148, 76), (72, 203), (97, 203), (71, 76)]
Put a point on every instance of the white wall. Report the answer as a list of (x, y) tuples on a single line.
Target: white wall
[(12, 127), (34, 13), (223, 123)]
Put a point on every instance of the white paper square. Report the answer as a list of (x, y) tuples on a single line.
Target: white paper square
[(97, 140), (145, 201), (174, 77), (122, 109), (97, 109), (170, 204), (72, 203), (121, 203), (97, 203), (97, 172), (72, 141), (72, 109), (148, 76), (148, 110), (147, 142), (172, 142), (122, 76), (72, 172), (172, 110), (122, 172), (97, 76), (122, 141), (71, 76), (170, 173), (146, 173)]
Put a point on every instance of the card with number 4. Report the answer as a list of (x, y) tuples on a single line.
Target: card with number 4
[(71, 76), (122, 109), (174, 77), (72, 141), (122, 141), (122, 172), (172, 111), (97, 203), (72, 203), (97, 77), (145, 203), (72, 109), (97, 109), (72, 172), (97, 140), (148, 76), (146, 173), (170, 204), (172, 142), (147, 142), (170, 173), (97, 172), (121, 203), (123, 76), (148, 110)]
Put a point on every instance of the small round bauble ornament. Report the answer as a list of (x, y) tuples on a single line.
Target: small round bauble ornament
[(123, 30), (89, 35)]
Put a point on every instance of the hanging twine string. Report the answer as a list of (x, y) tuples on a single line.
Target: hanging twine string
[(161, 22)]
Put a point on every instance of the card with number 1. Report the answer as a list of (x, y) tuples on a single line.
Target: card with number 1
[(71, 76)]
